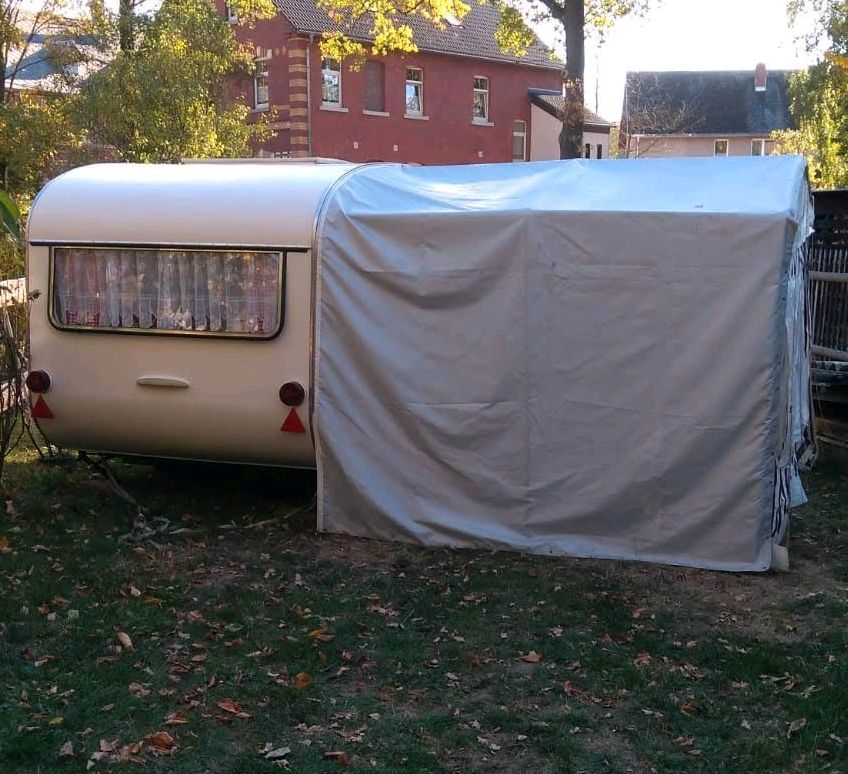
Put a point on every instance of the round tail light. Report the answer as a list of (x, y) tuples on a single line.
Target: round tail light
[(38, 381), (292, 394)]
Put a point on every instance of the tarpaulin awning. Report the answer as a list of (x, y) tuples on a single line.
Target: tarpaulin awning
[(603, 359)]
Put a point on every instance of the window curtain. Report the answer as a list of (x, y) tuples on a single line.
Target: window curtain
[(175, 290)]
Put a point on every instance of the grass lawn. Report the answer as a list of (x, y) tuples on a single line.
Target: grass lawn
[(232, 639)]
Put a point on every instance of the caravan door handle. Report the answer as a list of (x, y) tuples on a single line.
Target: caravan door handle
[(162, 381)]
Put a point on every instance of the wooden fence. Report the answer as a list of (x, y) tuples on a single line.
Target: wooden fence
[(829, 276)]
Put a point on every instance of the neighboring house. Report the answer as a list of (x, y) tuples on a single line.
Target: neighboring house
[(546, 113), (459, 99), (722, 113), (39, 72)]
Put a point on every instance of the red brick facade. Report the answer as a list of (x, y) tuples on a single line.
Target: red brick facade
[(445, 135)]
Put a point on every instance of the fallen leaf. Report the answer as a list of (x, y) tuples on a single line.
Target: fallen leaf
[(137, 689), (125, 640), (134, 591), (302, 680), (66, 751), (57, 721), (161, 743), (531, 658), (338, 756), (642, 660), (176, 719), (276, 754), (745, 724), (322, 635), (228, 705), (795, 726), (4, 543), (198, 658)]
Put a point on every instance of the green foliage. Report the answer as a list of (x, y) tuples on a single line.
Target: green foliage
[(11, 241), (391, 32), (167, 99), (820, 98), (38, 140), (10, 215)]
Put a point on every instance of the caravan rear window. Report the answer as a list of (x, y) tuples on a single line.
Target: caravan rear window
[(209, 292)]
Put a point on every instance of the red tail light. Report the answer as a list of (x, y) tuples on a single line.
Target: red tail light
[(38, 381), (292, 394)]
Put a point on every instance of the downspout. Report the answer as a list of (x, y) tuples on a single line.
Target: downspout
[(309, 94)]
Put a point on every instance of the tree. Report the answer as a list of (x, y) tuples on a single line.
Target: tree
[(819, 97), (163, 95), (391, 32), (22, 24)]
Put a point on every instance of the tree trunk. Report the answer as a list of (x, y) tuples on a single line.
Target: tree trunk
[(126, 31), (571, 136)]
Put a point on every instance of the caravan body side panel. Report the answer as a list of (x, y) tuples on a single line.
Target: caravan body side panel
[(230, 410)]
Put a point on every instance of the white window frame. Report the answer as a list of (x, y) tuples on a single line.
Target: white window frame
[(523, 135), (232, 16), (263, 69), (726, 142), (486, 92), (331, 67), (762, 142), (420, 85)]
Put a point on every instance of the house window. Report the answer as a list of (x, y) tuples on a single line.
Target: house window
[(758, 147), (414, 91), (168, 291), (331, 82), (260, 84), (587, 150), (600, 151), (230, 14), (375, 99), (519, 141), (720, 148), (481, 98)]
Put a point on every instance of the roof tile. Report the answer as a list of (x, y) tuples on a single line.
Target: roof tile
[(473, 37)]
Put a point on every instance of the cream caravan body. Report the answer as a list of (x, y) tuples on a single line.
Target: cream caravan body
[(159, 385)]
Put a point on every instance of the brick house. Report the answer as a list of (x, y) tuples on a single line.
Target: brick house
[(459, 99), (719, 113)]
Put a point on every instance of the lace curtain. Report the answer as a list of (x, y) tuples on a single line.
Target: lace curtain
[(175, 290)]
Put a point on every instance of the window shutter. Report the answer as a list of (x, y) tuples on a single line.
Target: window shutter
[(374, 92)]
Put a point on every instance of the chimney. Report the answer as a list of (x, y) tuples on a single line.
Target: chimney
[(760, 77)]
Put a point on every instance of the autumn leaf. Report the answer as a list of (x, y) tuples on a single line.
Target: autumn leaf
[(125, 640), (137, 689), (302, 680), (338, 756), (321, 635), (795, 726), (176, 719), (66, 752), (531, 658), (228, 705), (161, 743)]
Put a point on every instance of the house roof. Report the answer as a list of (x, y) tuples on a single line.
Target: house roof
[(553, 102), (38, 70), (473, 37), (705, 102)]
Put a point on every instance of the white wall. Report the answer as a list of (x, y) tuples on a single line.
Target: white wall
[(544, 137)]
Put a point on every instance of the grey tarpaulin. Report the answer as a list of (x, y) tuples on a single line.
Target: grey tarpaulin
[(592, 358)]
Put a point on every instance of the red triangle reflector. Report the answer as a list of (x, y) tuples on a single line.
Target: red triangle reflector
[(292, 423), (41, 410)]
